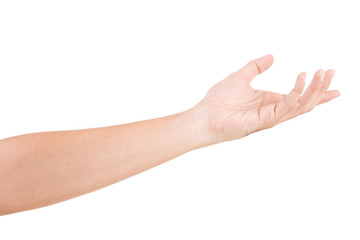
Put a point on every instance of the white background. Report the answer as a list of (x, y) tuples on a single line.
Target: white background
[(79, 64)]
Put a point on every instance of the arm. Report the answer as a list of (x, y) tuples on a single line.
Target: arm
[(40, 169)]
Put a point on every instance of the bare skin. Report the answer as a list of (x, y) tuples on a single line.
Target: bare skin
[(40, 169)]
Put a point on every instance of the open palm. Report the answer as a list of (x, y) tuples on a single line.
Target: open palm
[(234, 109)]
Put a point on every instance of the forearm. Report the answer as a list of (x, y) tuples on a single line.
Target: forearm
[(44, 168)]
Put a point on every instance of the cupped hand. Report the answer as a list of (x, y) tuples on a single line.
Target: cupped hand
[(233, 109)]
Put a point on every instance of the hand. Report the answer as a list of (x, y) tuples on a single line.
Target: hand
[(233, 109)]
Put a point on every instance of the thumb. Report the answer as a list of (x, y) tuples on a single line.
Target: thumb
[(256, 66)]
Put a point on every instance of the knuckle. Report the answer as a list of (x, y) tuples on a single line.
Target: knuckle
[(255, 68), (309, 109), (304, 110), (296, 91), (315, 87)]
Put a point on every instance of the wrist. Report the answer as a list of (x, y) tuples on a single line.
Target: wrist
[(198, 123)]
